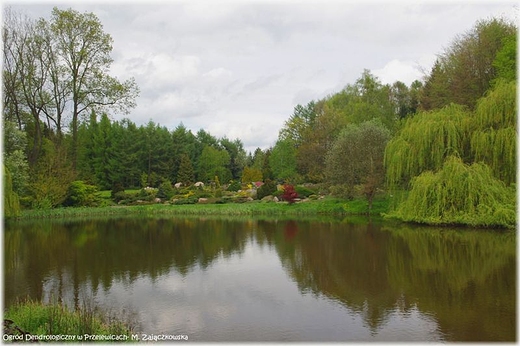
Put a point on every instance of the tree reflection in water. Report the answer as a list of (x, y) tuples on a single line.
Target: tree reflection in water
[(463, 279)]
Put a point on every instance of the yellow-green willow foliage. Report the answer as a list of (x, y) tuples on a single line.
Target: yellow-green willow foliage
[(11, 201), (459, 194), (493, 140), (424, 143)]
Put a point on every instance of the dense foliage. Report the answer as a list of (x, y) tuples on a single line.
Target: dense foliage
[(459, 194), (62, 143)]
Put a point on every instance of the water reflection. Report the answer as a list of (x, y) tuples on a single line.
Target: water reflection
[(268, 280)]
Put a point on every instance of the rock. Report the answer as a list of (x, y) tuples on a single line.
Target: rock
[(268, 198), (199, 184), (203, 200), (178, 185)]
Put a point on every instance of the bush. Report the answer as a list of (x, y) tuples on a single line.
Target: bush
[(189, 200), (116, 188), (147, 193), (304, 192), (289, 193), (342, 191), (234, 186), (267, 189), (119, 196), (166, 190), (81, 194)]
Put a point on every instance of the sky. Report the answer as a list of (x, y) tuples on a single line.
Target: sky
[(237, 68)]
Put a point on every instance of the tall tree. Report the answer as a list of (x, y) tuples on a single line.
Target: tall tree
[(464, 71), (14, 157), (282, 161), (298, 123), (186, 174), (357, 158), (460, 194), (505, 60), (237, 156), (494, 131), (82, 46), (425, 141), (104, 157), (213, 163)]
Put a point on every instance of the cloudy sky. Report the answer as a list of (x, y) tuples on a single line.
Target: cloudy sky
[(238, 68)]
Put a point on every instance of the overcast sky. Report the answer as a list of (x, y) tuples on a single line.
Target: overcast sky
[(238, 68)]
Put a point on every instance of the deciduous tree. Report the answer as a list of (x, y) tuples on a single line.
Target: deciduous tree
[(357, 157), (84, 49)]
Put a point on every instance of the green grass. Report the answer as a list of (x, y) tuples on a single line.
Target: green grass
[(51, 321), (327, 206)]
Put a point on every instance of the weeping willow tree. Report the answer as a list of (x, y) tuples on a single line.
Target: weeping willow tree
[(459, 194), (424, 143), (456, 167), (493, 140), (11, 201)]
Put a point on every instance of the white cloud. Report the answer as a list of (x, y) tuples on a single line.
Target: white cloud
[(396, 70), (239, 68)]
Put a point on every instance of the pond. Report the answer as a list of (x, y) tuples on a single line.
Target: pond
[(216, 279)]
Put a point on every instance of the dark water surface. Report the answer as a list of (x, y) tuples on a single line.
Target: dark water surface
[(267, 280)]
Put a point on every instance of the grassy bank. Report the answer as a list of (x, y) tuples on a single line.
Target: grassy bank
[(34, 321), (327, 206)]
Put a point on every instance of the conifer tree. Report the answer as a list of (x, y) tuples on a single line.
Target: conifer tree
[(186, 175)]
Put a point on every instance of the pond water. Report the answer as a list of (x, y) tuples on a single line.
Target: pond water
[(272, 280)]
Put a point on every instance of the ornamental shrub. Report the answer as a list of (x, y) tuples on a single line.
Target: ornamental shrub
[(116, 189), (166, 190), (234, 186), (289, 193), (267, 189), (304, 192), (81, 194)]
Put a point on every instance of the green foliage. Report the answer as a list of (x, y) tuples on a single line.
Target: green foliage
[(425, 141), (344, 191), (465, 71), (148, 193), (116, 188), (505, 60), (186, 174), (39, 319), (81, 194), (303, 192), (494, 137), (234, 186), (459, 194), (251, 174), (213, 162), (166, 190), (15, 159), (237, 156), (51, 177), (266, 189), (282, 160), (11, 200), (357, 158)]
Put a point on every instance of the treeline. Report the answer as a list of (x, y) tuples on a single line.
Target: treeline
[(444, 148), (363, 140)]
